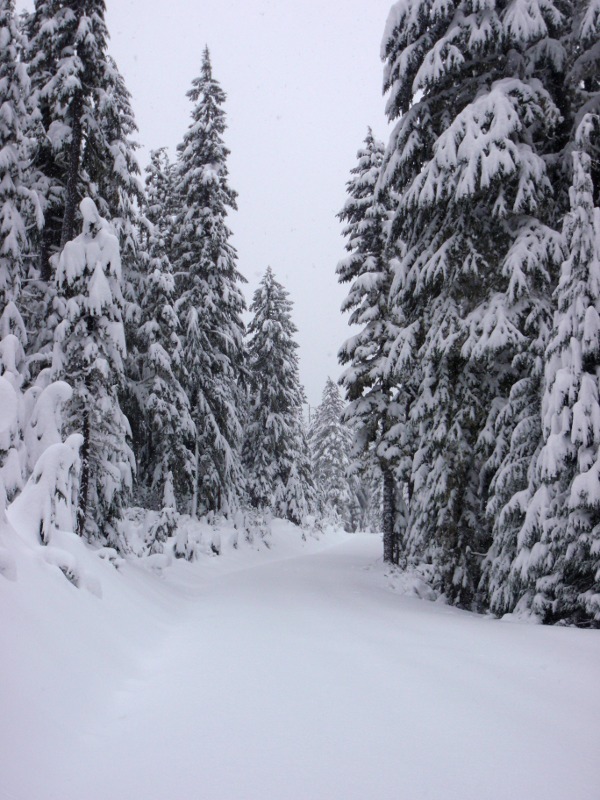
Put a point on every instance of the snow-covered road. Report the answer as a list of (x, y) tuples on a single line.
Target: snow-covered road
[(310, 679)]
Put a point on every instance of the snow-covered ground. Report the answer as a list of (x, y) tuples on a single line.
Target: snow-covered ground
[(301, 672)]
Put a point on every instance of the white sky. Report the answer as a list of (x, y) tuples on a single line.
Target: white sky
[(303, 82)]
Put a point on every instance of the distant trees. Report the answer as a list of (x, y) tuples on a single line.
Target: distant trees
[(330, 444), (275, 454)]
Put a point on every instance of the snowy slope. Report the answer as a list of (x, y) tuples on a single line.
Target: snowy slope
[(293, 673)]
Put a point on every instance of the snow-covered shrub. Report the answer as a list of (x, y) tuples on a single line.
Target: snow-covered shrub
[(48, 501), (162, 527)]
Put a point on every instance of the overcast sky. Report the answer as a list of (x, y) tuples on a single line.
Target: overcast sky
[(303, 82)]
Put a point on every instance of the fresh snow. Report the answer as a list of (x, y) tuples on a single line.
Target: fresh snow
[(301, 670)]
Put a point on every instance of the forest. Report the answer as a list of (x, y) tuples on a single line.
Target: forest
[(469, 426), (210, 588)]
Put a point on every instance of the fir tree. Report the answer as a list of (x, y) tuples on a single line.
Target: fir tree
[(84, 126), (109, 160), (556, 569), (165, 455), (68, 43), (47, 173), (366, 380), (160, 199), (275, 451), (19, 208), (13, 376), (582, 88), (515, 503), (330, 444), (477, 101), (31, 423), (299, 497), (88, 353), (209, 299)]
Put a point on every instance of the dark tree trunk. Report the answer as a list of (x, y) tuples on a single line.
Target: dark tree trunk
[(390, 544), (45, 268), (46, 164), (71, 193), (84, 481)]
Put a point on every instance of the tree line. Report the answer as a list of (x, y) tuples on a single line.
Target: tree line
[(127, 375)]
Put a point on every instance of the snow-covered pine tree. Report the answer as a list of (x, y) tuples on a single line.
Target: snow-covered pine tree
[(299, 498), (275, 453), (13, 375), (519, 425), (67, 51), (83, 129), (476, 91), (160, 198), (209, 298), (110, 162), (88, 353), (582, 81), (14, 90), (366, 381), (46, 174), (165, 454), (30, 423), (556, 571), (331, 443), (19, 207), (109, 157)]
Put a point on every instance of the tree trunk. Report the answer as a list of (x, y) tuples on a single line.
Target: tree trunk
[(84, 481), (71, 194), (390, 548), (45, 268), (195, 492)]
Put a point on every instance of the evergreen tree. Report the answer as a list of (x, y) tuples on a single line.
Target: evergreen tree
[(275, 451), (47, 172), (371, 411), (160, 198), (83, 129), (84, 148), (556, 570), (49, 499), (515, 501), (478, 102), (88, 353), (30, 424), (299, 498), (13, 376), (331, 443), (68, 42), (165, 455), (209, 299), (110, 162), (582, 88), (19, 208)]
